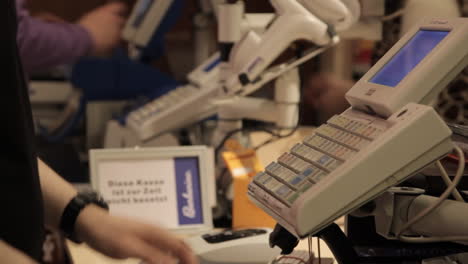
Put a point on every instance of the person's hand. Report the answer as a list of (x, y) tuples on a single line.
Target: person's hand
[(105, 24), (124, 238)]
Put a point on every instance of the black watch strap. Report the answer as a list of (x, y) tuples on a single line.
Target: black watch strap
[(74, 208)]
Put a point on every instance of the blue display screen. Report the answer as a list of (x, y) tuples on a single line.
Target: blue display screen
[(408, 57)]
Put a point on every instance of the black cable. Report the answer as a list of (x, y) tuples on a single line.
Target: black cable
[(276, 138), (299, 120), (221, 144)]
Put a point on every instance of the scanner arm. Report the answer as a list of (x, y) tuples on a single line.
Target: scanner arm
[(283, 110), (209, 77), (247, 66), (399, 205), (255, 52)]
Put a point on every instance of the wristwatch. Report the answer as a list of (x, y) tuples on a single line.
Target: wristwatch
[(74, 208)]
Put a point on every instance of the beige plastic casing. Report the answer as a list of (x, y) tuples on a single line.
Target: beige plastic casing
[(414, 137)]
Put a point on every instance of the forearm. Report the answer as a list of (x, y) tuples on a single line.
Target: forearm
[(56, 193), (44, 44), (12, 255), (114, 236)]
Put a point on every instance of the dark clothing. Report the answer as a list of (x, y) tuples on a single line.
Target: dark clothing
[(22, 220)]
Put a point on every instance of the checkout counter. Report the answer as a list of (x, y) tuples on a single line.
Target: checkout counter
[(82, 254)]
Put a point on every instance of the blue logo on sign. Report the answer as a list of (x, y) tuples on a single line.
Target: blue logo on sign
[(188, 191)]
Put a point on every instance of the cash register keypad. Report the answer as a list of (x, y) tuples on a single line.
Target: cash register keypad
[(293, 162), (288, 177), (162, 103), (334, 149), (368, 131), (317, 156), (343, 137)]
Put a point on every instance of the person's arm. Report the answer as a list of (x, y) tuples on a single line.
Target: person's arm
[(56, 193), (114, 236), (12, 255), (45, 44)]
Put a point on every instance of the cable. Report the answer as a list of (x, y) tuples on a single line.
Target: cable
[(393, 15), (448, 182), (68, 125), (299, 116), (275, 138), (262, 129), (318, 249), (278, 136), (435, 205), (228, 136)]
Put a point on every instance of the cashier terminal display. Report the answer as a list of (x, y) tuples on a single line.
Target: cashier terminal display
[(387, 134), (415, 69)]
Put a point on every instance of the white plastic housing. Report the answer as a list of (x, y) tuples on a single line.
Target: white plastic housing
[(254, 52), (144, 21), (339, 13), (396, 154), (247, 250), (230, 21)]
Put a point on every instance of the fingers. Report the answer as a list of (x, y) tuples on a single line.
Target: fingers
[(188, 257), (117, 7), (124, 238), (162, 239), (184, 253), (118, 10), (136, 248)]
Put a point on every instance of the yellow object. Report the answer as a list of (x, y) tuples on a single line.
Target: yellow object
[(243, 164)]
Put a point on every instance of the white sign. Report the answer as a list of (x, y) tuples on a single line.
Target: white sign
[(148, 193)]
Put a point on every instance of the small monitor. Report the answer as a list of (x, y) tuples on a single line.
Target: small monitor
[(428, 56), (172, 186)]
